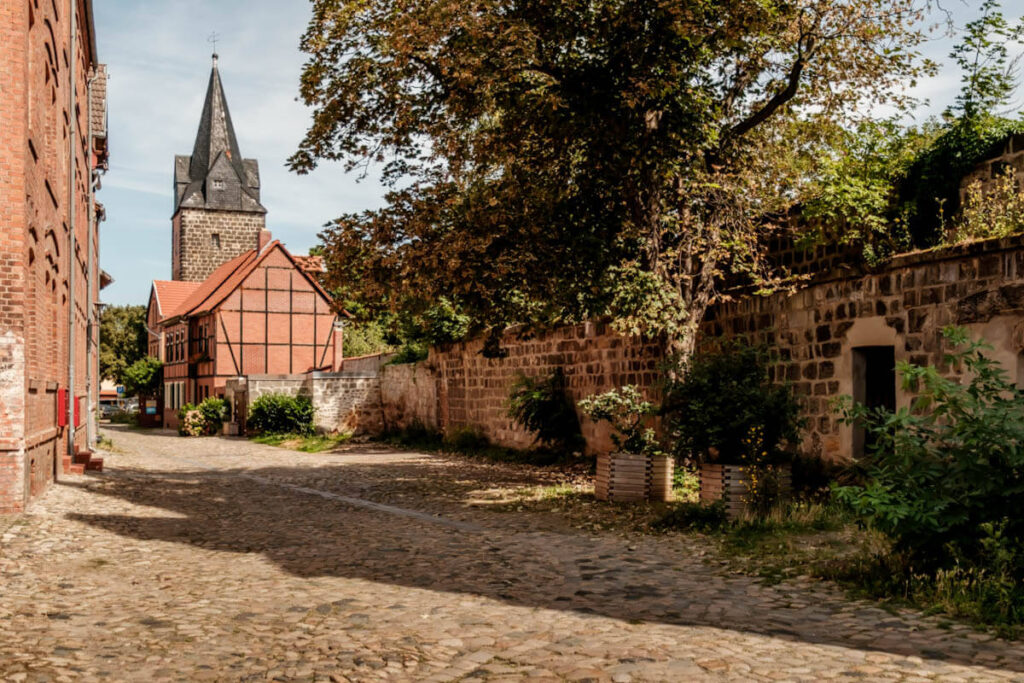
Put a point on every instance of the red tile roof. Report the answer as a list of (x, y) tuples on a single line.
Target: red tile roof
[(170, 294), (207, 295)]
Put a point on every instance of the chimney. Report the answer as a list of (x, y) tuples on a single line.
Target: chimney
[(265, 239)]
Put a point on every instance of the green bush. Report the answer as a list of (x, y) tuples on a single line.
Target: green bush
[(726, 410), (944, 478), (542, 405), (628, 412), (213, 410), (281, 414)]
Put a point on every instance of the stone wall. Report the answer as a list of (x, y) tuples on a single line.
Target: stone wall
[(196, 252), (473, 390), (409, 396), (816, 331), (347, 402), (372, 363), (344, 401), (905, 306)]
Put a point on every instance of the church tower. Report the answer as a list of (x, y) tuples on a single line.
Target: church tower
[(217, 210)]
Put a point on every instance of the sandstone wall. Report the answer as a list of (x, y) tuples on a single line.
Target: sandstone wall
[(347, 402), (816, 332), (409, 396)]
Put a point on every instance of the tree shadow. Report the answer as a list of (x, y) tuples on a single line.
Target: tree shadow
[(647, 580)]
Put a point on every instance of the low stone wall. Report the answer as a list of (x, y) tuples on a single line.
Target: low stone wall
[(409, 396), (366, 364), (347, 402), (344, 401)]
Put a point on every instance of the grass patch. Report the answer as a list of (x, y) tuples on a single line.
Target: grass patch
[(316, 443), (105, 442)]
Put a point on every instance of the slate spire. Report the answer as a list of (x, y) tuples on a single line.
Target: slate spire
[(216, 176)]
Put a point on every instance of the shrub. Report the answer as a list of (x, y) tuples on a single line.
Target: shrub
[(627, 411), (725, 410), (542, 405), (191, 421), (281, 414), (214, 410), (945, 477)]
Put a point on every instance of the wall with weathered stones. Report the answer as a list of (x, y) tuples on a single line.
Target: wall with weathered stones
[(347, 402), (344, 401), (815, 331), (905, 305), (203, 239), (409, 396)]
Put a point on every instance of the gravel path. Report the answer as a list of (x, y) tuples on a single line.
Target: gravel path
[(218, 559)]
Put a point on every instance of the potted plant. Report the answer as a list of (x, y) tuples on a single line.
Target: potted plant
[(727, 417), (638, 469)]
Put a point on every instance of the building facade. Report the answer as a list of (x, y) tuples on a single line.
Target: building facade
[(237, 303), (259, 313), (52, 150)]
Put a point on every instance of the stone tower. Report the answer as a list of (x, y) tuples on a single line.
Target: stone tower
[(217, 210)]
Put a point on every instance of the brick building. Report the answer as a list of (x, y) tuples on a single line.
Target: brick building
[(238, 303), (52, 148)]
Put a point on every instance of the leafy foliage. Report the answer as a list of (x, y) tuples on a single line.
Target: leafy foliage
[(542, 405), (930, 194), (725, 410), (143, 377), (628, 413), (205, 419), (988, 72), (123, 340), (281, 414), (854, 199), (945, 478), (364, 339), (557, 160), (991, 212)]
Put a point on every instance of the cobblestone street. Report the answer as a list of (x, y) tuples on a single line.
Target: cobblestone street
[(218, 559)]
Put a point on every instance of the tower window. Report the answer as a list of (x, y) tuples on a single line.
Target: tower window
[(215, 240)]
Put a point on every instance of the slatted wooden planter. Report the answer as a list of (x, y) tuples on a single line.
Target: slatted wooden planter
[(731, 483), (628, 477)]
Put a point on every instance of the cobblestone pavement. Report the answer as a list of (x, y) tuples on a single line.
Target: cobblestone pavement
[(217, 559)]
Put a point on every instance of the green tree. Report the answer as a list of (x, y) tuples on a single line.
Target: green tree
[(559, 159), (988, 73), (143, 377), (123, 340)]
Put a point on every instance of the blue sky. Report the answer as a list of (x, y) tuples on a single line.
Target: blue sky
[(159, 62)]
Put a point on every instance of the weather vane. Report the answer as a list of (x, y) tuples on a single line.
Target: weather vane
[(212, 39)]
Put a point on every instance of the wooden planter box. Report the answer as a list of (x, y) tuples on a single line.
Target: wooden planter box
[(731, 483), (628, 477)]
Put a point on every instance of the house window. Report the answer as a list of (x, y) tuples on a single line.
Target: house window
[(218, 184), (874, 385), (215, 240)]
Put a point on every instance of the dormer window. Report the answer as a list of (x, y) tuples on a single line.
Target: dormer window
[(218, 184)]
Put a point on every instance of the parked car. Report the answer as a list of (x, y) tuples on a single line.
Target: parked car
[(108, 409)]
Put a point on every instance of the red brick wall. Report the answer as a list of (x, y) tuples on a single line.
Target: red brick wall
[(36, 261)]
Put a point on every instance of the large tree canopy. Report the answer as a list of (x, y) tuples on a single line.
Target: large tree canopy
[(557, 159)]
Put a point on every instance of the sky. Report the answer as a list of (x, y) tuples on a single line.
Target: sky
[(158, 55)]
